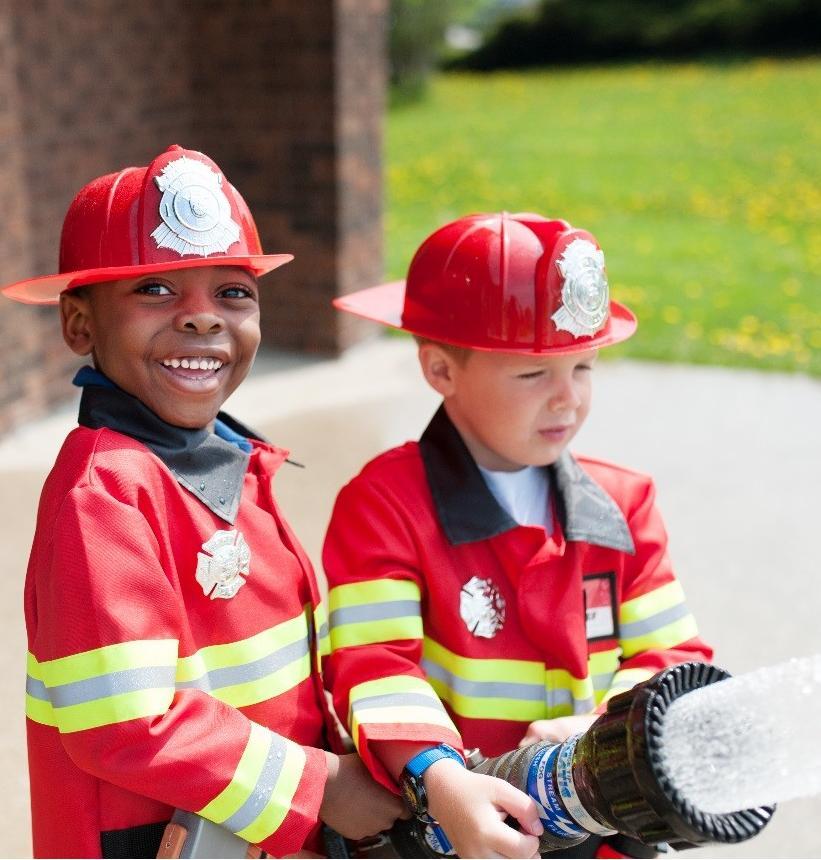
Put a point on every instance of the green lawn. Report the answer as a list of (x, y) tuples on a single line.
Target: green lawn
[(701, 182)]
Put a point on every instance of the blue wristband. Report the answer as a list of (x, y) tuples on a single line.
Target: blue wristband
[(423, 760), (411, 783)]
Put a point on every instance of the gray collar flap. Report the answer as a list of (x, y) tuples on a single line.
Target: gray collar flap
[(590, 514)]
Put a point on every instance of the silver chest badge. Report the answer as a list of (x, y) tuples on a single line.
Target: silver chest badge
[(196, 214), (585, 294), (482, 607), (220, 572)]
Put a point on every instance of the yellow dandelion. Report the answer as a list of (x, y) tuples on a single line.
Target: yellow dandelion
[(671, 315), (790, 286), (749, 324)]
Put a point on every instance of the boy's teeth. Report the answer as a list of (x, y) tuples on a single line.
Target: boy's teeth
[(194, 363)]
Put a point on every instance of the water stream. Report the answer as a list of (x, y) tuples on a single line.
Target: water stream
[(750, 740)]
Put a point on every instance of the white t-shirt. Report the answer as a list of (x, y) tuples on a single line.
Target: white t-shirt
[(524, 494)]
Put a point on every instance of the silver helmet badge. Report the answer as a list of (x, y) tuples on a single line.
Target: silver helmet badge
[(585, 293), (195, 213)]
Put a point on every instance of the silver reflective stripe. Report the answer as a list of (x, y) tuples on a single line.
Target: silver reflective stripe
[(621, 687), (583, 706), (228, 676), (373, 612), (654, 622), (36, 689), (559, 697), (262, 791), (602, 682), (484, 689), (393, 700), (323, 630), (112, 684)]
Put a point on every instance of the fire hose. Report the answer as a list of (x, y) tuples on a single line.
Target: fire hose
[(610, 779)]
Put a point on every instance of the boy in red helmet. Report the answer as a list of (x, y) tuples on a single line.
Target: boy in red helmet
[(174, 622), (488, 588)]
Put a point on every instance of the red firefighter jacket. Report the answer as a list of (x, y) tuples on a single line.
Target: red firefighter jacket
[(451, 623), (146, 689)]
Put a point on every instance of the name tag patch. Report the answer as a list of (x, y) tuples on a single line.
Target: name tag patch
[(600, 605)]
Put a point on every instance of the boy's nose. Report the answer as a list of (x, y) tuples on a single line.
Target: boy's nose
[(564, 397), (201, 318)]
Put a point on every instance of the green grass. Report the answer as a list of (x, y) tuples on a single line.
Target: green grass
[(701, 182)]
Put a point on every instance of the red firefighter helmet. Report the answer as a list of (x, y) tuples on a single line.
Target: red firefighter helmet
[(501, 282), (178, 213)]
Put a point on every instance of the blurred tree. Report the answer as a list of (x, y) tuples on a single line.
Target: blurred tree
[(417, 35), (565, 31), (416, 38)]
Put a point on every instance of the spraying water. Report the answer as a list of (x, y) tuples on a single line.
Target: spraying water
[(747, 741)]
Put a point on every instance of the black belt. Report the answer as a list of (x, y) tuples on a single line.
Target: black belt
[(140, 841)]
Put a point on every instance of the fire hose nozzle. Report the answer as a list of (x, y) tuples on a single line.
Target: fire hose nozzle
[(613, 777)]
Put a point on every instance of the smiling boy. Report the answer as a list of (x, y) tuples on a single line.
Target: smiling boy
[(174, 622), (180, 342), (488, 588)]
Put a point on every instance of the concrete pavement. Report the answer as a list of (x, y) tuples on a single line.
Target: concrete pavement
[(737, 464)]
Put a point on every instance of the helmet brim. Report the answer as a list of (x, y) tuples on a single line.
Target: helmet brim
[(46, 290), (384, 304)]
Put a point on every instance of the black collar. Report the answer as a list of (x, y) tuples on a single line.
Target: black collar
[(469, 512), (208, 466)]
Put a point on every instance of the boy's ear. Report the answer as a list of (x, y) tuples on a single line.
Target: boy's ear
[(75, 320), (438, 367)]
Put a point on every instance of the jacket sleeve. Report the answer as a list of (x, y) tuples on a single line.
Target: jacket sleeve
[(656, 628), (103, 669), (379, 688)]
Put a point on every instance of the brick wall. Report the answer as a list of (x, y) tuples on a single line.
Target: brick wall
[(286, 97)]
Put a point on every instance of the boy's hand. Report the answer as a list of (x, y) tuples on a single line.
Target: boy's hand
[(471, 808), (557, 730), (354, 804)]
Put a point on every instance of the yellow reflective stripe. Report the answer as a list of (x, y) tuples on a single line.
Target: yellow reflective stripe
[(32, 666), (279, 804), (651, 603), (470, 672), (403, 715), (137, 679), (625, 679), (323, 638), (603, 662), (275, 684), (40, 711), (103, 686), (395, 699), (378, 610), (243, 651), (472, 669), (139, 654), (245, 778), (489, 707), (254, 669), (114, 709), (521, 690), (259, 778), (390, 684), (665, 637), (372, 591), (369, 632), (561, 679), (602, 667)]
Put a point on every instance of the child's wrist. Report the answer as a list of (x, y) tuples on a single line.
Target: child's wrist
[(413, 782)]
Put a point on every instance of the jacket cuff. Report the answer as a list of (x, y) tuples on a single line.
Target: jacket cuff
[(302, 818)]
